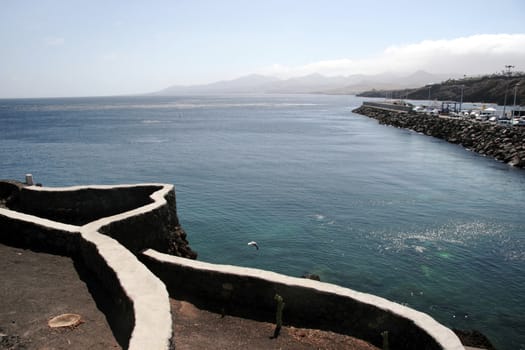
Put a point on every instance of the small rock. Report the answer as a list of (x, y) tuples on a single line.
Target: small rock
[(311, 276)]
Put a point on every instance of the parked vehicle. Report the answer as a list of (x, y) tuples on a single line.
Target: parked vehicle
[(483, 114), (518, 121)]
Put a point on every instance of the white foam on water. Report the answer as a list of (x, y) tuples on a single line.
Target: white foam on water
[(151, 121), (150, 140), (419, 249), (455, 233)]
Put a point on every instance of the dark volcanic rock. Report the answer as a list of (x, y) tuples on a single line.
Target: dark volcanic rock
[(311, 276), (178, 244), (503, 143), (474, 338)]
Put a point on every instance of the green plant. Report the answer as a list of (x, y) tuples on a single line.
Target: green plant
[(385, 340), (278, 314)]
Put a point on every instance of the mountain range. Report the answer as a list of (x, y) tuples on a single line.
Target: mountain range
[(313, 83)]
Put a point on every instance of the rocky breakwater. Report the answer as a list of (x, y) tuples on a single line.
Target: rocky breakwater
[(504, 143)]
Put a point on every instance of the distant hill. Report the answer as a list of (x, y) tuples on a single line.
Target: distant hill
[(251, 83), (313, 83), (488, 89), (387, 82)]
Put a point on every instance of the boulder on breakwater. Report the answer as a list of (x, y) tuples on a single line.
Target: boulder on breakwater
[(504, 143)]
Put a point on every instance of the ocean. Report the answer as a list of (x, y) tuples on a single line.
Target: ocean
[(381, 210)]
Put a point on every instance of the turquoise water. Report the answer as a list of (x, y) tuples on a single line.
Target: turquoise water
[(322, 190)]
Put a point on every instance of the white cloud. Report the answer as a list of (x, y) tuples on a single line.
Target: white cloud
[(54, 41), (477, 54)]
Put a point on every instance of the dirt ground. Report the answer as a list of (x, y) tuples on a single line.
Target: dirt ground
[(200, 329), (34, 288), (37, 286)]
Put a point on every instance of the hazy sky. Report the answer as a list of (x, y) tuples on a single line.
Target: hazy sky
[(94, 48)]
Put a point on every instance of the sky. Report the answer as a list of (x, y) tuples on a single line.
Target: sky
[(58, 48)]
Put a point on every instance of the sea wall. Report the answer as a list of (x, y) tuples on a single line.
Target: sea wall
[(27, 231), (82, 205), (388, 106), (140, 297), (503, 143), (139, 281), (158, 227), (249, 293)]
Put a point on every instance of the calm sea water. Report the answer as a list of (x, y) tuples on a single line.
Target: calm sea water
[(322, 190)]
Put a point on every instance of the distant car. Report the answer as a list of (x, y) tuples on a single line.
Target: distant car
[(518, 121)]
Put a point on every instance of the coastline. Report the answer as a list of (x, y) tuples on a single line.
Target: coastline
[(140, 280), (502, 143)]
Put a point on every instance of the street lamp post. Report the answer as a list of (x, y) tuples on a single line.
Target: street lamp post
[(509, 74), (461, 101), (515, 91), (505, 101)]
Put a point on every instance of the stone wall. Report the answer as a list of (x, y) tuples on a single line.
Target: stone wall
[(43, 235), (249, 293), (83, 205), (140, 297), (157, 228), (504, 143), (111, 247)]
